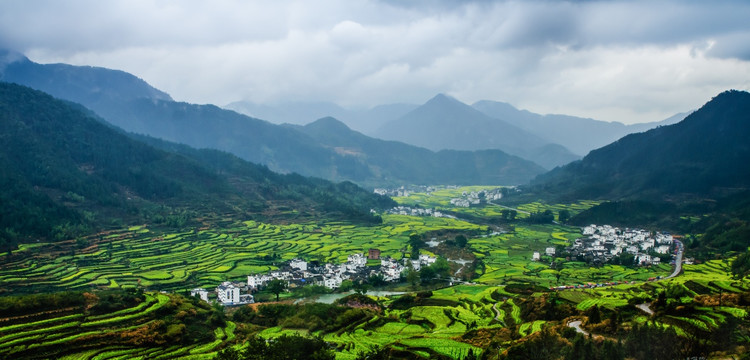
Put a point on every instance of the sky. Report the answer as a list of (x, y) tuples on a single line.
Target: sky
[(628, 61)]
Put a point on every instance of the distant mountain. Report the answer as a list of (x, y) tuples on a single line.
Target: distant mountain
[(297, 113), (390, 160), (95, 87), (281, 148), (62, 171), (580, 135), (705, 155), (446, 123), (300, 113)]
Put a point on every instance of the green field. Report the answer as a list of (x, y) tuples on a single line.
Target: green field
[(450, 322), (137, 257)]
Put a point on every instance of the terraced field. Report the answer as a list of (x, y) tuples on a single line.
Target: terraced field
[(113, 335), (432, 328), (204, 257)]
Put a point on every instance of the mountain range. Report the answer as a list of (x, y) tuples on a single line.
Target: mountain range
[(63, 170), (446, 123), (129, 103), (705, 155), (578, 135)]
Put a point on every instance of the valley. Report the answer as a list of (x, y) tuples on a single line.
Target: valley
[(505, 297), (114, 231)]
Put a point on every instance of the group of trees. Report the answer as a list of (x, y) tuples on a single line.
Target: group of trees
[(281, 348)]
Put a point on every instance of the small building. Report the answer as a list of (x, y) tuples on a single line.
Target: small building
[(256, 281), (201, 293), (535, 256), (357, 260), (427, 259), (550, 251), (298, 264), (228, 293), (373, 254)]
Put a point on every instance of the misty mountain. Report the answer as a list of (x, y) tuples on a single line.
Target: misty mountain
[(705, 155), (301, 113), (446, 123), (388, 160), (580, 135), (95, 87), (64, 170), (281, 148)]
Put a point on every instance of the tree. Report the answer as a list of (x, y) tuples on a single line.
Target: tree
[(361, 287), (461, 241), (563, 216), (595, 316), (741, 265), (276, 286), (508, 214), (416, 243), (282, 347)]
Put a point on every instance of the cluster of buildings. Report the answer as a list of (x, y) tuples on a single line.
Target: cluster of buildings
[(405, 210), (298, 272), (469, 198), (603, 242), (404, 191), (536, 256)]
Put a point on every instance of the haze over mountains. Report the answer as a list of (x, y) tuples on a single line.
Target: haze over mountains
[(555, 139), (146, 110), (63, 170)]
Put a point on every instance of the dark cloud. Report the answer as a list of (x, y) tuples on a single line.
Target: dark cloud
[(623, 57)]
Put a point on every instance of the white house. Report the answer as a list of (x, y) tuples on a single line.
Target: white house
[(535, 256), (228, 293), (332, 282), (427, 259), (298, 264), (358, 260), (550, 251), (201, 292), (258, 280)]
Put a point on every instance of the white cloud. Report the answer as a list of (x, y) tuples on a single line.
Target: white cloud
[(614, 60)]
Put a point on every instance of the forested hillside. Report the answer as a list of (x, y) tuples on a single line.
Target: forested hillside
[(64, 172)]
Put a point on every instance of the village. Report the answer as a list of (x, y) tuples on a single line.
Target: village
[(298, 272), (603, 243)]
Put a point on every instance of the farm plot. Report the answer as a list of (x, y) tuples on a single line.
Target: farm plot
[(176, 261)]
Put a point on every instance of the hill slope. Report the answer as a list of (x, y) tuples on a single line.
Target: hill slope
[(446, 123), (282, 149), (298, 113), (63, 170), (580, 135), (704, 155), (391, 159)]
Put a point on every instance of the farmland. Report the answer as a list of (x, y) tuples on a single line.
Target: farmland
[(140, 257), (143, 330), (506, 301)]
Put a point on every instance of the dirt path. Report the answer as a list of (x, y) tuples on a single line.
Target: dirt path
[(577, 325), (497, 312), (645, 307)]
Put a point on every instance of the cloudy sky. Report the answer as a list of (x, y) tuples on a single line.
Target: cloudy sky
[(629, 61)]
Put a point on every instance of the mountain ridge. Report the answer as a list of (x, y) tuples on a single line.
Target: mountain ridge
[(446, 123), (699, 156), (281, 148), (64, 170)]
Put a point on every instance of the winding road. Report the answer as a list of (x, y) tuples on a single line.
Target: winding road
[(577, 325), (678, 260)]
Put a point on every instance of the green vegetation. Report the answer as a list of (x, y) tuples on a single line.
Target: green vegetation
[(67, 173), (511, 310), (113, 322)]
